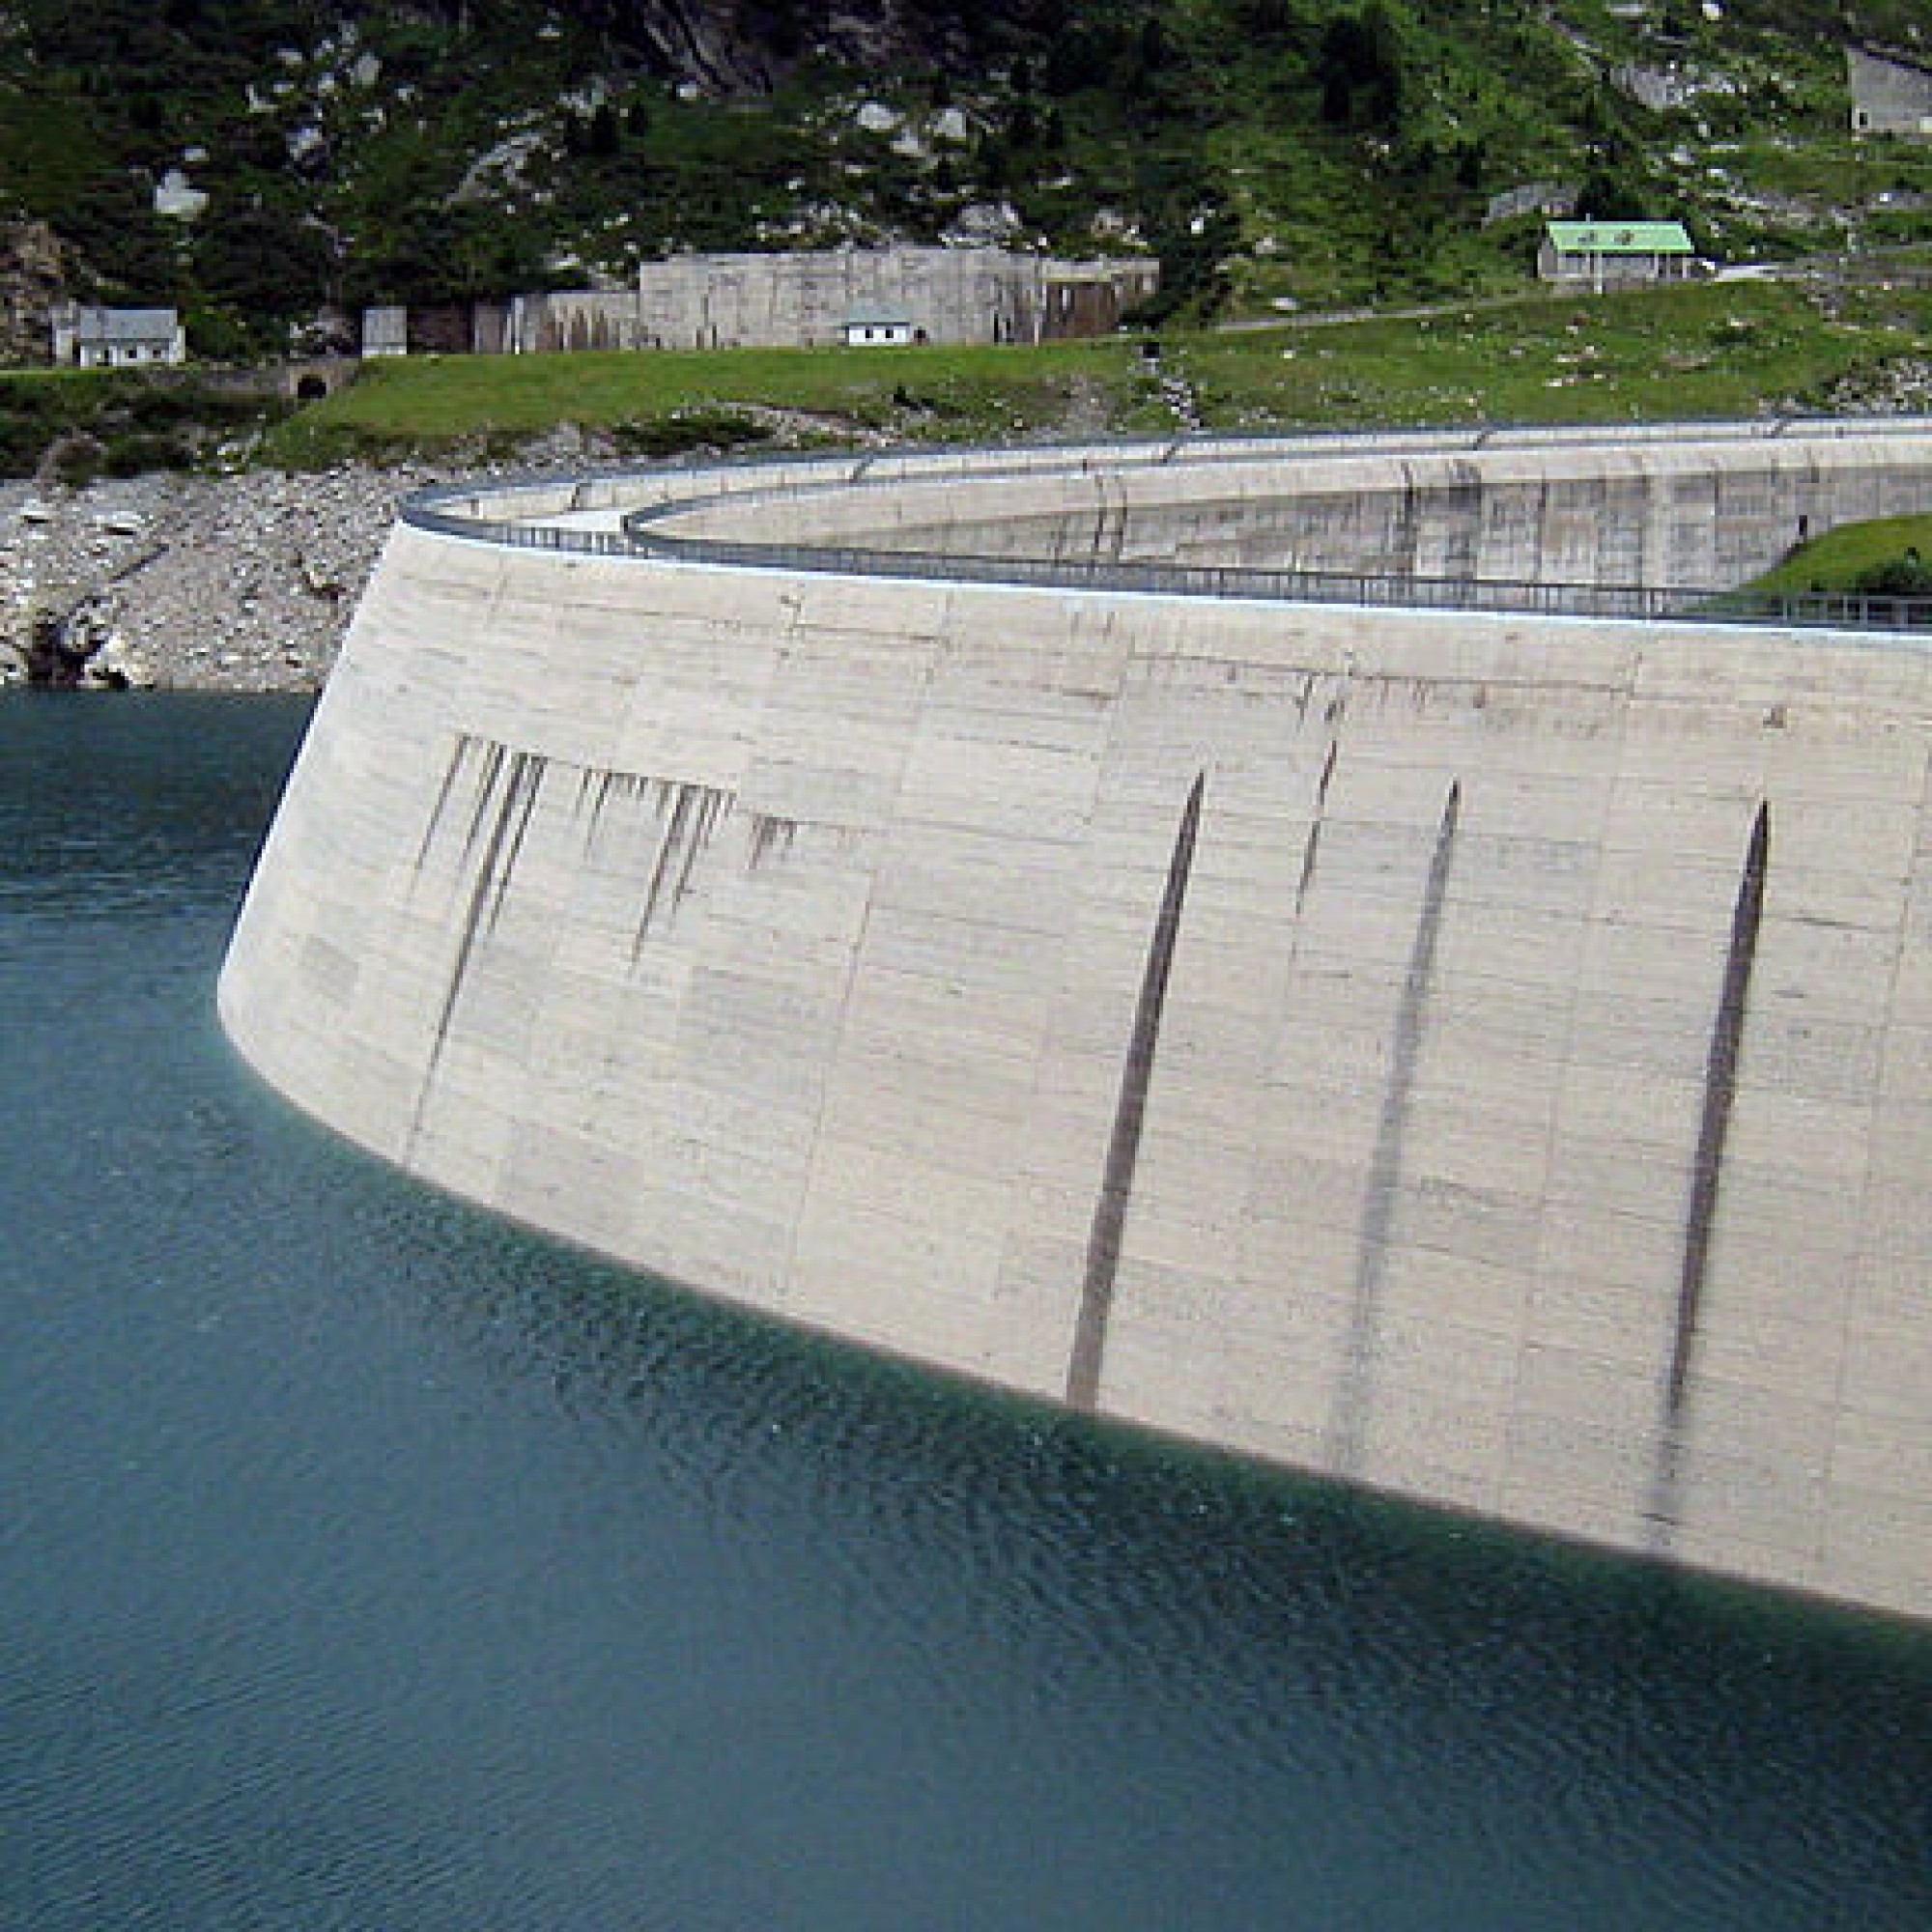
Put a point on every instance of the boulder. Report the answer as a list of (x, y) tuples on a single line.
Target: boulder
[(117, 667)]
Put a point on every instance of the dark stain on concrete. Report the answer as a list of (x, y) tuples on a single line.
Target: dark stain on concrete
[(1355, 1392), (459, 756), (1720, 1086), (527, 782), (769, 833), (493, 755), (513, 802), (1310, 850), (1110, 1212), (694, 813)]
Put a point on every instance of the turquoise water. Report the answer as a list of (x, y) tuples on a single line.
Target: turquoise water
[(367, 1564)]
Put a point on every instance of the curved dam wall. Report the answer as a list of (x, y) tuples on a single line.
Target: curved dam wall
[(1486, 1058), (1704, 510)]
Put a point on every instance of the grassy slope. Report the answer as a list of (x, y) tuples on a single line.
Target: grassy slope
[(1698, 350), (1193, 121), (122, 421), (1704, 350), (829, 393), (1834, 561)]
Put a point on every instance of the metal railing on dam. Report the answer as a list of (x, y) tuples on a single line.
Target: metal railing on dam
[(535, 507), (1370, 590)]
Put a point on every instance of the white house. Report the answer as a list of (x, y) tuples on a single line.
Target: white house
[(118, 338), (879, 328)]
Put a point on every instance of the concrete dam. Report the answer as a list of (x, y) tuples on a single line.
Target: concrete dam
[(1317, 947)]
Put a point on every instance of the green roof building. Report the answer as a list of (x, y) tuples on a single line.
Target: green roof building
[(1599, 253)]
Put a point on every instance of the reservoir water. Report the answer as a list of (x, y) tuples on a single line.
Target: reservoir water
[(365, 1563)]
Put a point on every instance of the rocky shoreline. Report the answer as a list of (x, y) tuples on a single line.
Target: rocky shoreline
[(242, 583)]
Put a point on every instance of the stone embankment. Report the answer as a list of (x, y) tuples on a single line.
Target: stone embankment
[(240, 583)]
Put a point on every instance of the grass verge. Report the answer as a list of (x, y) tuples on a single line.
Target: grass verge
[(1854, 558), (1709, 349)]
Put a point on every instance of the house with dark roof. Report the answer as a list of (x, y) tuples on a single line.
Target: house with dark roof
[(118, 338)]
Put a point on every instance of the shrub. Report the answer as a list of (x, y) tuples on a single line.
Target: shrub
[(674, 435), (76, 460), (137, 453), (1907, 576)]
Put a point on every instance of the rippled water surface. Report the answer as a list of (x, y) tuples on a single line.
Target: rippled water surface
[(365, 1564)]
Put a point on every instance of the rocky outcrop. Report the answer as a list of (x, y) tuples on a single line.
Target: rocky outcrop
[(211, 583), (1899, 385), (739, 47), (240, 583), (32, 280)]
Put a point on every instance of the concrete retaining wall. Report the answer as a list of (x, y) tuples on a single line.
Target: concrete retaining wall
[(1488, 1057), (803, 299)]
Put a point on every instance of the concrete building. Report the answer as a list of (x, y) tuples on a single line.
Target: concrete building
[(118, 338), (801, 301), (1615, 254), (954, 294), (1888, 95), (1484, 1055)]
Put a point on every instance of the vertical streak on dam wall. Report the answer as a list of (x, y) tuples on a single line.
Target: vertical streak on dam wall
[(1110, 1213), (780, 931), (509, 815), (1721, 1087), (1355, 1394)]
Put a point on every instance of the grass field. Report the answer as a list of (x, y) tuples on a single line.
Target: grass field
[(1701, 349), (661, 399), (1837, 561), (1708, 348)]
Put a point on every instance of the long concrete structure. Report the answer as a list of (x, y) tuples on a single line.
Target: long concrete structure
[(804, 300), (1482, 1055)]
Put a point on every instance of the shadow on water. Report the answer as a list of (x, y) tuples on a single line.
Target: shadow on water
[(372, 1562)]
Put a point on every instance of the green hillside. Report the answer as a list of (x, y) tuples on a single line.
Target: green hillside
[(1745, 349), (1275, 153)]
